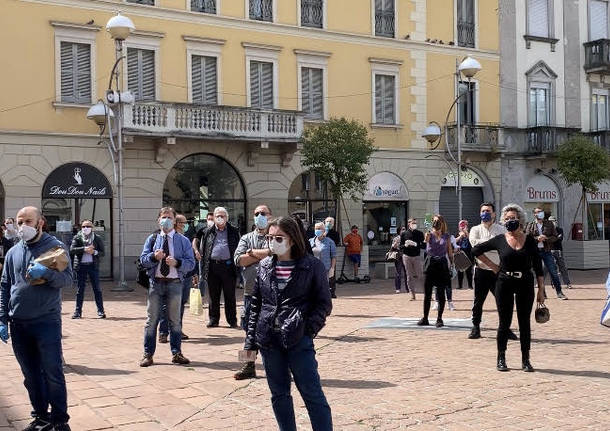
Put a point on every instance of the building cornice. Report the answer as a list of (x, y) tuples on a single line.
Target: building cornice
[(145, 33), (261, 46), (312, 53), (156, 12), (75, 26), (389, 61), (207, 40)]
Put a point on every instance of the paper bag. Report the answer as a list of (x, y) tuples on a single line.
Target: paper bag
[(55, 259), (195, 303)]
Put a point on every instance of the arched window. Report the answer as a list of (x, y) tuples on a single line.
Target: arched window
[(201, 182), (310, 198)]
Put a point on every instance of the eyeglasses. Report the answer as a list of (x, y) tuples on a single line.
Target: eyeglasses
[(180, 222), (278, 238), (263, 213)]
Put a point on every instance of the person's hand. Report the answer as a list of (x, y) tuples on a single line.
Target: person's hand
[(542, 238), (540, 295), (90, 249), (159, 255), (38, 270), (427, 237), (331, 272), (495, 268), (4, 333), (195, 282), (171, 261), (197, 255)]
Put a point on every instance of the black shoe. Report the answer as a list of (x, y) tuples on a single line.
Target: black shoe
[(212, 324), (512, 335), (146, 361), (423, 322), (525, 362), (184, 336), (333, 295), (76, 315), (62, 427), (162, 338), (475, 332), (101, 315), (39, 425), (248, 371), (501, 366), (439, 323), (179, 359)]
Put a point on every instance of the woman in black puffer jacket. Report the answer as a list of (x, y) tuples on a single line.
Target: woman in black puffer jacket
[(290, 303)]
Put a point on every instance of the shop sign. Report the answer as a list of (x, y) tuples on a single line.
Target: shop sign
[(76, 180), (386, 186), (469, 179), (541, 189), (601, 195)]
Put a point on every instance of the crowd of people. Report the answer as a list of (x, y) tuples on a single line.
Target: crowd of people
[(288, 279)]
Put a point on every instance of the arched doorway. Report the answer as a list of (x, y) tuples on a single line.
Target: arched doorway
[(472, 198), (311, 199), (72, 193), (201, 182)]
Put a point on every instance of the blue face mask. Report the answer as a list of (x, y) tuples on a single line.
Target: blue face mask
[(540, 215), (511, 225), (166, 223), (260, 221), (485, 217), (318, 232)]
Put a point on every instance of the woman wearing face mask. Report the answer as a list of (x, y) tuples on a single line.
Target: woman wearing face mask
[(440, 255), (290, 303), (11, 231), (518, 256), (324, 249)]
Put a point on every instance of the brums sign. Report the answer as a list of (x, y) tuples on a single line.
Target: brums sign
[(541, 189)]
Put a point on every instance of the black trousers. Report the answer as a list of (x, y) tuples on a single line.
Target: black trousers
[(221, 279), (437, 275), (508, 292), (484, 283), (460, 277)]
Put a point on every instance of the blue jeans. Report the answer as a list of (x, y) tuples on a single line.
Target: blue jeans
[(549, 264), (169, 292), (300, 361), (37, 347), (186, 292), (84, 271)]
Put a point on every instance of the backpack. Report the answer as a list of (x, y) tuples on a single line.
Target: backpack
[(142, 276)]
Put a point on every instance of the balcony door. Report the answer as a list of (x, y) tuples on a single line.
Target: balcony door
[(598, 19)]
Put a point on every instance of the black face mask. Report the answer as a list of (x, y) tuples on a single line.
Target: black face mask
[(436, 225), (511, 225)]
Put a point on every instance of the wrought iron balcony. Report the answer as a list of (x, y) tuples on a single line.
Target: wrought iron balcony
[(475, 137), (173, 119), (601, 138), (465, 31), (597, 56), (539, 140)]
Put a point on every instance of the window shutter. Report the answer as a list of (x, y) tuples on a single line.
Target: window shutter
[(148, 74), (67, 72), (378, 98), (602, 107), (196, 78), (210, 81), (306, 90), (83, 73), (538, 18), (267, 85), (599, 19), (132, 72), (388, 100), (317, 95), (255, 84)]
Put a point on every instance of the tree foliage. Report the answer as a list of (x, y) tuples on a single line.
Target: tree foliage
[(580, 161), (338, 151)]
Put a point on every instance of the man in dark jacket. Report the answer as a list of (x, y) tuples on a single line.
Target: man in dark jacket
[(412, 243), (218, 272), (33, 311), (87, 249), (557, 252)]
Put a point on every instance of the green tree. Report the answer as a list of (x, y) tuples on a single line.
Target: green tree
[(580, 161), (338, 151)]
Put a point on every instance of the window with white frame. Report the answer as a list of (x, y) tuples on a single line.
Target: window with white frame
[(384, 18), (599, 110), (141, 79), (539, 104), (539, 18), (261, 84), (312, 13), (312, 95), (205, 6), (385, 99), (598, 19), (204, 80), (75, 69), (261, 10), (465, 23)]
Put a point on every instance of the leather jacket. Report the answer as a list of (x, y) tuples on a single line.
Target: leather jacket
[(77, 248), (207, 244)]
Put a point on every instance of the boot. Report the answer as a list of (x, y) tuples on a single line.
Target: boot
[(475, 332), (525, 362), (502, 361), (248, 371)]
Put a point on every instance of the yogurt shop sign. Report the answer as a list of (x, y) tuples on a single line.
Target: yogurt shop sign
[(386, 186), (76, 180)]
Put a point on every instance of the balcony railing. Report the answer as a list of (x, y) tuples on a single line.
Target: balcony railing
[(475, 137), (171, 119), (465, 33), (597, 56), (546, 139), (601, 138)]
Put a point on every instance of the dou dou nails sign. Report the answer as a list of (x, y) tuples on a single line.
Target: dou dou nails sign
[(77, 180)]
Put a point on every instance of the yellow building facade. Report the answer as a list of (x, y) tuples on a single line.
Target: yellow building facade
[(224, 89)]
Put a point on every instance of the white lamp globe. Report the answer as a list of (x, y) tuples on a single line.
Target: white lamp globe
[(469, 67), (431, 133), (97, 113), (120, 27)]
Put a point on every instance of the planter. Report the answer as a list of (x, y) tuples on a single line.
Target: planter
[(586, 254)]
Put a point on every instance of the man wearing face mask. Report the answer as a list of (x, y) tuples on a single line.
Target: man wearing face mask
[(252, 248), (196, 242), (33, 312), (557, 252), (168, 256), (412, 243), (331, 232), (545, 235), (217, 270), (353, 243), (87, 249)]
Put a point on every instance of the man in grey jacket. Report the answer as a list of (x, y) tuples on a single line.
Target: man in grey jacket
[(252, 248)]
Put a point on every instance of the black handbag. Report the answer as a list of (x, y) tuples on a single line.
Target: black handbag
[(542, 314), (461, 260)]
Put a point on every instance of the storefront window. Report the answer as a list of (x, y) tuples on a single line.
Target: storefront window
[(382, 221), (310, 198), (201, 182), (595, 220)]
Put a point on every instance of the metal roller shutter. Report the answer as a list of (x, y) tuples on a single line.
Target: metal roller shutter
[(472, 198)]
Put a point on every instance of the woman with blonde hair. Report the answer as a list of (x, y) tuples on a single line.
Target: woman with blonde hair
[(439, 255)]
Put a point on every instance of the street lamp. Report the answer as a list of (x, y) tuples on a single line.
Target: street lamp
[(433, 134), (111, 109)]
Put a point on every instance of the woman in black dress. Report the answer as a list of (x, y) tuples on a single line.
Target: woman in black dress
[(518, 256)]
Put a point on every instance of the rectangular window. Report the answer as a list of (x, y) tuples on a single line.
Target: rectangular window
[(467, 103), (75, 72), (598, 19), (141, 73), (465, 23), (385, 99), (205, 80), (148, 2), (312, 92), (384, 18), (538, 18), (261, 84), (261, 10), (205, 6), (539, 105), (599, 112), (312, 12)]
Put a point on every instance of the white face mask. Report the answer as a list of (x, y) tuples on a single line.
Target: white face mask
[(413, 226), (10, 228), (26, 232), (279, 248), (210, 223), (220, 221), (87, 231)]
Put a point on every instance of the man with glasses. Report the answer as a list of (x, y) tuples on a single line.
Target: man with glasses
[(252, 248), (217, 270)]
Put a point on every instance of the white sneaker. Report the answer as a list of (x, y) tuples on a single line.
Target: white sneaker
[(451, 306), (435, 306), (397, 290)]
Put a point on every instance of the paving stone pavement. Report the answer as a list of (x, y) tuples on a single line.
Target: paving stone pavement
[(374, 378)]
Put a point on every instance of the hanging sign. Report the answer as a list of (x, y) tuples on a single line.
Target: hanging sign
[(541, 189), (469, 179), (386, 186), (76, 180)]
